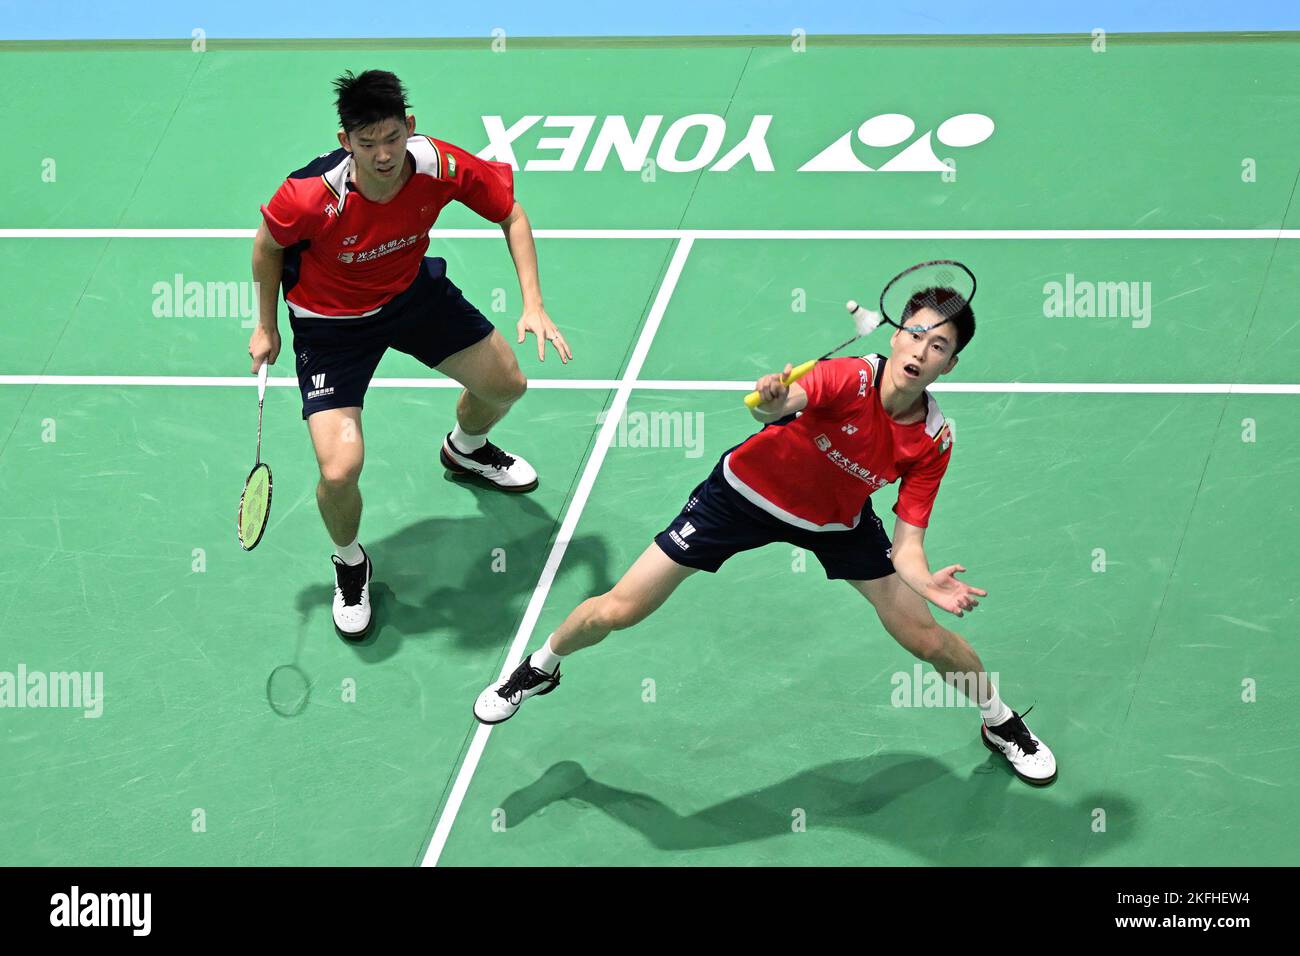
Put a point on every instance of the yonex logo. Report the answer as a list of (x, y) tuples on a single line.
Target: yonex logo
[(891, 129), (702, 140), (350, 240), (850, 429)]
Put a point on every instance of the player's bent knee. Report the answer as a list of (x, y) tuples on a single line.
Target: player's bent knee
[(340, 474), (617, 613), (924, 640), (511, 388)]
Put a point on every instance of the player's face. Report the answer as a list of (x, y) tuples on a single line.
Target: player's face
[(920, 358), (380, 149)]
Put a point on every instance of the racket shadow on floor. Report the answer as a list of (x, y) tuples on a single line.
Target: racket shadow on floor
[(911, 801), (442, 575), (288, 686)]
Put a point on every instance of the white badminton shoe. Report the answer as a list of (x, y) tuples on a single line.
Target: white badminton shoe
[(1029, 757)]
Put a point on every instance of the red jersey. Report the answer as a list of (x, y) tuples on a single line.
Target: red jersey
[(346, 255), (817, 471)]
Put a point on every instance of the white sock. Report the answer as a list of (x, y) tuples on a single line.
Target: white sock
[(994, 711), (545, 659), (350, 554), (465, 442)]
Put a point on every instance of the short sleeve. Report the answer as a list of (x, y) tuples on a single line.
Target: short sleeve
[(485, 186), (834, 382), (290, 217), (920, 485)]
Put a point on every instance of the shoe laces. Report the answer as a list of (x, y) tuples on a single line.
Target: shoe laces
[(490, 454), (1016, 731), (525, 677), (350, 579)]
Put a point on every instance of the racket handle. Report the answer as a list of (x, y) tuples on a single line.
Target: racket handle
[(753, 399), (261, 383)]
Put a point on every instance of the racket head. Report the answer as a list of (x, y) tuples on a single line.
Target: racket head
[(945, 286), (287, 690), (254, 506)]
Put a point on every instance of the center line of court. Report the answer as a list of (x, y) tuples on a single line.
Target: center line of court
[(613, 415)]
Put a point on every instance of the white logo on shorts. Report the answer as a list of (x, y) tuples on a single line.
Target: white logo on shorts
[(688, 529), (318, 387)]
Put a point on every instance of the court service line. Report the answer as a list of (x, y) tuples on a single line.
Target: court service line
[(603, 441), (676, 385)]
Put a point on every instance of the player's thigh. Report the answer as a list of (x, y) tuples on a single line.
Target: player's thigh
[(338, 442), (645, 586), (903, 612), (487, 368)]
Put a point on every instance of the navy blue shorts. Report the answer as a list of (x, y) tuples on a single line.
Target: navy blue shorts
[(336, 358), (717, 523)]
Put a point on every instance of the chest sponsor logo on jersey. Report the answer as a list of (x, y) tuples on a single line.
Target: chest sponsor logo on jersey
[(840, 460), (688, 143), (369, 255)]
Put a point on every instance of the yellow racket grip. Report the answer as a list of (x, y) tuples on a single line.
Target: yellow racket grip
[(799, 371)]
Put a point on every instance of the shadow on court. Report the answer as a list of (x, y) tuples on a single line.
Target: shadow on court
[(910, 801), (438, 574)]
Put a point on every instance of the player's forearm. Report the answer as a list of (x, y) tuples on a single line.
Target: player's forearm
[(519, 237), (267, 265), (913, 567)]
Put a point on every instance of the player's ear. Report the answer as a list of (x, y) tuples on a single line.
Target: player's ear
[(410, 124), (952, 364), (343, 141)]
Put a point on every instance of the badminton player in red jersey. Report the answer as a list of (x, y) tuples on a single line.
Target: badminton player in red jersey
[(847, 429), (346, 236)]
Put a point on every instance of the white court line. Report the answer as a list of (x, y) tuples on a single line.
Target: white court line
[(703, 233), (677, 385), (227, 381), (603, 441)]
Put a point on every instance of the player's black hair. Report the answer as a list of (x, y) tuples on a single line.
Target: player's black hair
[(947, 302), (372, 97)]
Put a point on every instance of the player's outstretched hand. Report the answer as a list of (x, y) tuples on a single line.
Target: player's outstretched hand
[(772, 388), (263, 346), (539, 323), (955, 597)]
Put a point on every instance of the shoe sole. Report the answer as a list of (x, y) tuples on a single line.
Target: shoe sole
[(1032, 781), (461, 473), (350, 637), (493, 723)]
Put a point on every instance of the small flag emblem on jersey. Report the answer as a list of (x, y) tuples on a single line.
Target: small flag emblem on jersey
[(451, 165), (945, 439)]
